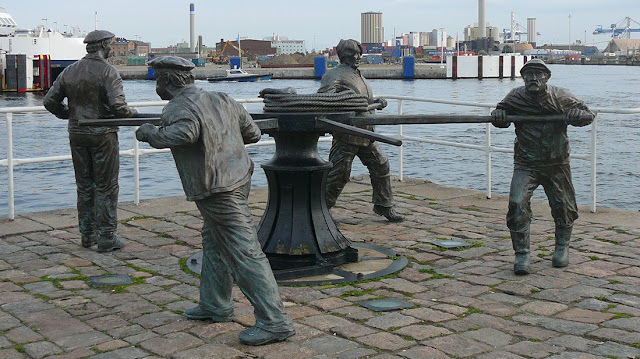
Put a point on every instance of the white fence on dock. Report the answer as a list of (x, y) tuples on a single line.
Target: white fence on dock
[(136, 152)]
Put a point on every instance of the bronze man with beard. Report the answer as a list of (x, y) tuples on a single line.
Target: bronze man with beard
[(93, 89), (541, 157)]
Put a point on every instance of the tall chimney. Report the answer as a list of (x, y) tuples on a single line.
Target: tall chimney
[(482, 19), (192, 28)]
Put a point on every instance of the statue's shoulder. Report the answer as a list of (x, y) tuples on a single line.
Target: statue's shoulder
[(219, 96), (560, 91)]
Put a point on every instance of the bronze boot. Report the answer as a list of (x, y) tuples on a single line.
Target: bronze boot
[(561, 253), (520, 242)]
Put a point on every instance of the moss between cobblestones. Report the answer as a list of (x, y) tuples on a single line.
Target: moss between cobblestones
[(472, 311), (434, 274), (125, 221), (620, 231), (122, 288), (19, 348), (621, 316), (356, 293), (140, 269), (184, 268), (42, 296), (56, 281), (607, 241)]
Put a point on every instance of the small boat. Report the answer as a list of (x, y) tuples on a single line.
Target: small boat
[(240, 75)]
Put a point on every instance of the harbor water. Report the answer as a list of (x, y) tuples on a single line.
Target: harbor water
[(45, 186)]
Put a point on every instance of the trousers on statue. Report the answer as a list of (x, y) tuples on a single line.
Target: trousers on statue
[(231, 251)]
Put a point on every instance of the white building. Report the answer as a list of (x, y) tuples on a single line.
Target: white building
[(471, 32), (438, 37), (285, 46)]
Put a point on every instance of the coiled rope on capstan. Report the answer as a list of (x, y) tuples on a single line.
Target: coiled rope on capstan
[(287, 100)]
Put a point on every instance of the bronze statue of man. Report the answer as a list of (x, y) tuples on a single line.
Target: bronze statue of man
[(541, 158), (344, 148), (206, 132), (93, 89)]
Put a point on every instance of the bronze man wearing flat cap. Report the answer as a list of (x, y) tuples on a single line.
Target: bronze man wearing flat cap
[(93, 89), (206, 132), (541, 158), (344, 148)]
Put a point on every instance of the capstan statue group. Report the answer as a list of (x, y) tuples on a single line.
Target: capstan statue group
[(207, 131)]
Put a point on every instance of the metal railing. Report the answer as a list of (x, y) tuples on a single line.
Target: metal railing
[(10, 162)]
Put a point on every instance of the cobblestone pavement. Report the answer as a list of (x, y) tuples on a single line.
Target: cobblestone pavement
[(467, 303)]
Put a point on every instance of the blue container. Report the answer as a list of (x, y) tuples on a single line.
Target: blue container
[(151, 73), (320, 66), (408, 67), (235, 63), (199, 62)]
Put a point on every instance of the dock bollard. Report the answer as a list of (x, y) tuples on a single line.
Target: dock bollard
[(320, 66), (409, 67)]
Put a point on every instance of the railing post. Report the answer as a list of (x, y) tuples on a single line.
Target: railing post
[(12, 209), (594, 138), (401, 149), (136, 169), (488, 153)]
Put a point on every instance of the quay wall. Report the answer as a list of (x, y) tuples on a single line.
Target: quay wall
[(422, 71)]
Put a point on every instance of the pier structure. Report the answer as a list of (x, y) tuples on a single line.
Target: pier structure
[(463, 302)]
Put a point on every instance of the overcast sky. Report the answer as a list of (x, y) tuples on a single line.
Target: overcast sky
[(320, 23)]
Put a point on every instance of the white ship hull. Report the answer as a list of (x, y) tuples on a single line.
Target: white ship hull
[(47, 53)]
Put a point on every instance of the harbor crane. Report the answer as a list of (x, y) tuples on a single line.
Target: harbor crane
[(621, 28)]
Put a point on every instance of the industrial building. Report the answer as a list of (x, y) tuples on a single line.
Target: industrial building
[(285, 46), (623, 47), (471, 33), (371, 29), (124, 47), (251, 49), (438, 38)]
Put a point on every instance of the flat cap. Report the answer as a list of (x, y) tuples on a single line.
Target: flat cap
[(171, 62), (535, 64), (98, 35)]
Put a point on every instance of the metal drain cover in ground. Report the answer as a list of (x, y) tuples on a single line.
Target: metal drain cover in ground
[(385, 305), (374, 261), (451, 243), (110, 279)]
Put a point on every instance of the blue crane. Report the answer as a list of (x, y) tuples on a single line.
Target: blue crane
[(621, 28)]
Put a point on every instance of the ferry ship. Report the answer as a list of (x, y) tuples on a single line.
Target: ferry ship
[(31, 59)]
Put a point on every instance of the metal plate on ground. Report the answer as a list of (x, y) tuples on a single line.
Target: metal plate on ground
[(385, 305), (374, 261), (451, 243), (110, 279)]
